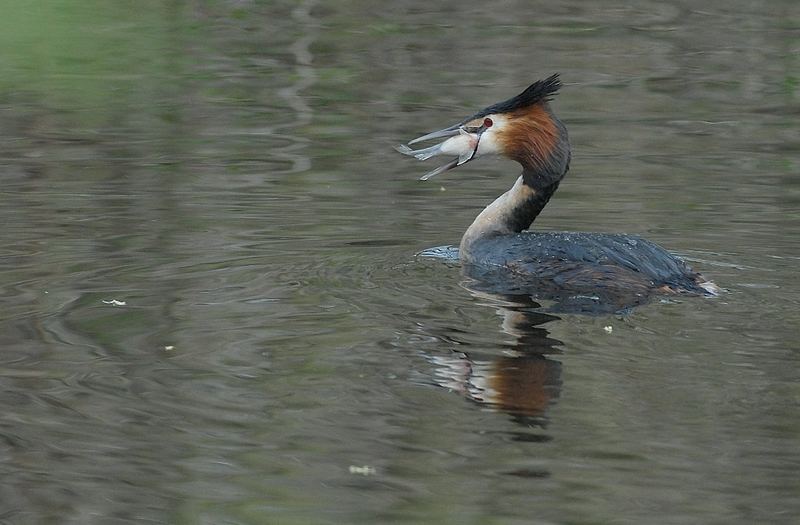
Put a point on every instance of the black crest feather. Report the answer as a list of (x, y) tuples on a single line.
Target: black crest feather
[(539, 91)]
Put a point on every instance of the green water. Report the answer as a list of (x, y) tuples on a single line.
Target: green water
[(225, 170)]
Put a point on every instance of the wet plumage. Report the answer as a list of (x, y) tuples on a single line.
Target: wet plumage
[(499, 247)]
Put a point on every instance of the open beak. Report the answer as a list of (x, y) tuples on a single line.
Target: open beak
[(462, 143), (446, 132)]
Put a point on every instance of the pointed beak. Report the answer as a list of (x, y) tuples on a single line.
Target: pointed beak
[(446, 132), (462, 143)]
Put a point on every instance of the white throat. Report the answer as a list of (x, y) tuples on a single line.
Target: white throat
[(497, 217)]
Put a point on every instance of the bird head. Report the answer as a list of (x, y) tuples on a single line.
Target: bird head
[(521, 128)]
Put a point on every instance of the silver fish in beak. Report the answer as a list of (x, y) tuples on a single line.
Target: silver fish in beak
[(463, 143)]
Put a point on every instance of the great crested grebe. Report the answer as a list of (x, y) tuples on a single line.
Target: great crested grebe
[(525, 129)]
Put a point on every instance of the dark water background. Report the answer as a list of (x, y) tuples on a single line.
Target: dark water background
[(224, 168)]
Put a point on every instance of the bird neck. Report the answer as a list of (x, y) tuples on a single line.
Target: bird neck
[(513, 211), (544, 153)]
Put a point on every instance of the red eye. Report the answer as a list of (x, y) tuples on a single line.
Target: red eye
[(487, 122)]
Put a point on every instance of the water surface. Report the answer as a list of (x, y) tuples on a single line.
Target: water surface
[(213, 310)]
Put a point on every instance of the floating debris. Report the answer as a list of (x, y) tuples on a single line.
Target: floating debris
[(365, 470), (608, 329), (114, 302), (169, 347)]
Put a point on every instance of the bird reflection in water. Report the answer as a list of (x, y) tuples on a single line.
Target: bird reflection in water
[(522, 381)]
